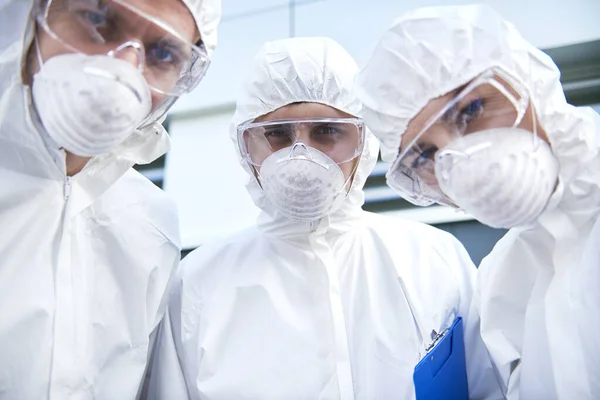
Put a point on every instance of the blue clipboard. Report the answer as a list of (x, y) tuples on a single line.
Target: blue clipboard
[(442, 373)]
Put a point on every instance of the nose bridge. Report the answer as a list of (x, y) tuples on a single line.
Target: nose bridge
[(131, 51), (440, 127), (448, 121), (439, 134), (302, 133), (299, 148)]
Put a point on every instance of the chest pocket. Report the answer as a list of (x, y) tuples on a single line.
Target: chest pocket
[(433, 311)]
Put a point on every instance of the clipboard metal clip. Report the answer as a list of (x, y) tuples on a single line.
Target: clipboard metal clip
[(435, 337)]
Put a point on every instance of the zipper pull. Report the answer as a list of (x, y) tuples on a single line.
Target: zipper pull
[(67, 188)]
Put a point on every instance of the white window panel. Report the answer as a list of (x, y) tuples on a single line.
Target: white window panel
[(357, 25), (239, 40), (204, 177), (380, 168), (379, 193), (431, 215), (240, 8)]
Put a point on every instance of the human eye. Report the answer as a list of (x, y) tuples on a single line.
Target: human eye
[(92, 17), (471, 111), (165, 53), (92, 13), (328, 130), (422, 155), (97, 19), (275, 132), (278, 136)]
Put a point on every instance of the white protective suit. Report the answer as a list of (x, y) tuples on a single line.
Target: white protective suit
[(84, 261), (538, 291), (337, 308)]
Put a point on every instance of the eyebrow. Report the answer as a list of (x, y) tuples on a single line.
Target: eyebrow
[(462, 87)]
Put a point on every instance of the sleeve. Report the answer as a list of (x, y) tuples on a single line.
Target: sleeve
[(482, 380), (166, 374), (158, 291), (161, 217), (482, 377), (584, 299), (166, 262), (143, 389)]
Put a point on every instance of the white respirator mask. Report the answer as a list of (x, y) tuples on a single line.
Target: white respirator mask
[(303, 182), (480, 152), (306, 186), (505, 183), (90, 104)]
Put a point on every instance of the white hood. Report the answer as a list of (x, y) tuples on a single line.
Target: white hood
[(21, 131), (533, 299), (295, 70), (207, 14), (85, 260), (430, 51)]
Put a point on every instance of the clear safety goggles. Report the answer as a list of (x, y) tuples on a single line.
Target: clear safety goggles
[(170, 63), (492, 100), (341, 139)]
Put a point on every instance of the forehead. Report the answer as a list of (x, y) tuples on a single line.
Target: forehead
[(433, 107), (303, 111)]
